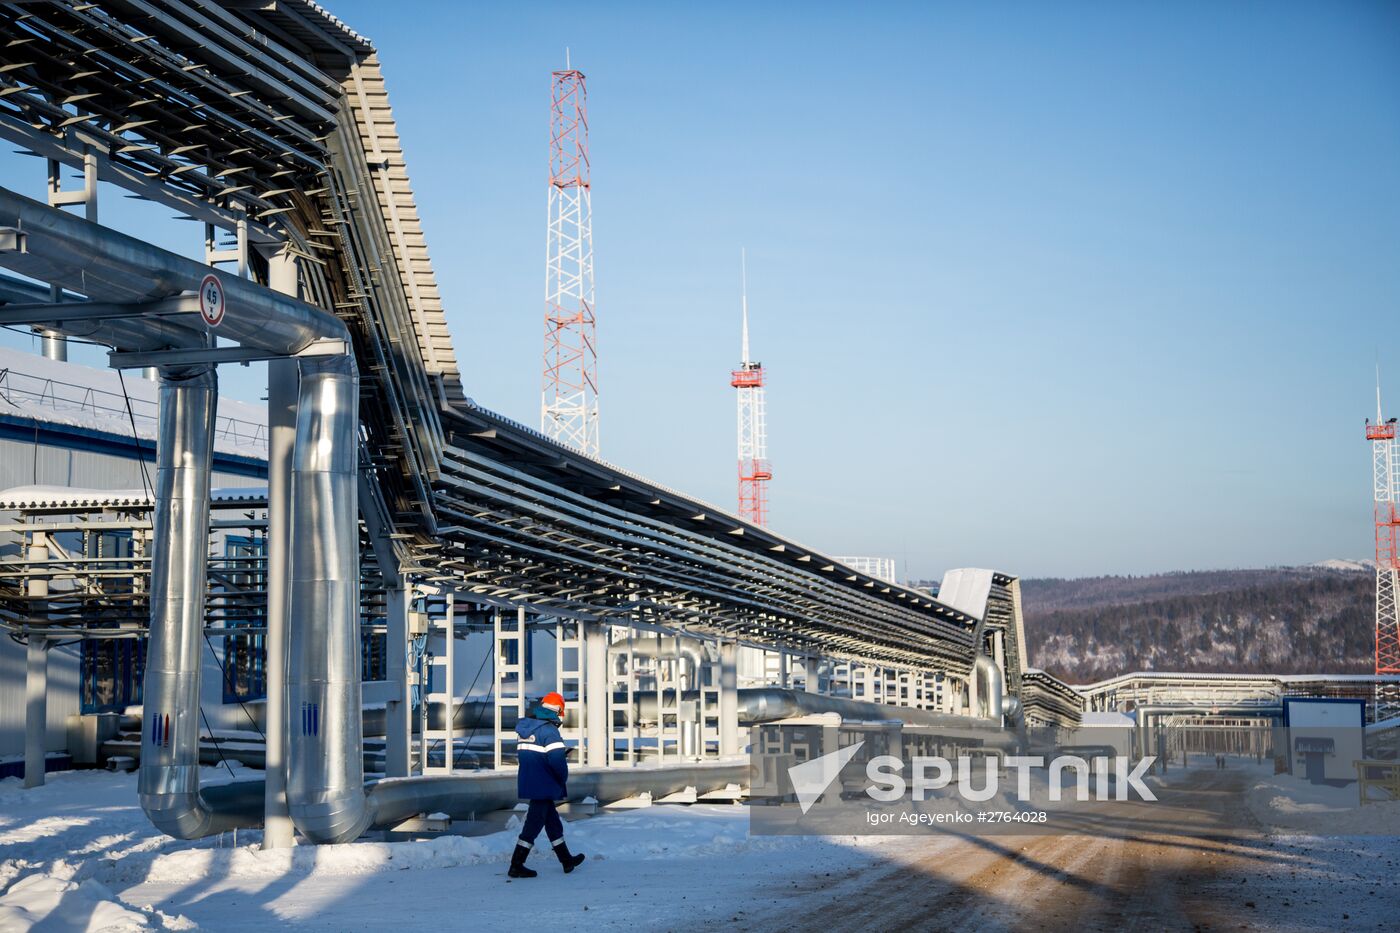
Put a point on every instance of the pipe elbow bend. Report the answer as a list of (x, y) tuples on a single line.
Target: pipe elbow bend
[(332, 818), (182, 815)]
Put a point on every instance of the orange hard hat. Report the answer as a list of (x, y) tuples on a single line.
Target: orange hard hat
[(554, 701)]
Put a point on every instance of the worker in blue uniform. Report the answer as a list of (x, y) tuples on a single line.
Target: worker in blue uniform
[(543, 779)]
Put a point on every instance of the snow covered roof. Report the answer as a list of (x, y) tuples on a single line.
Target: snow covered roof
[(61, 497), (1100, 719), (966, 590), (53, 392)]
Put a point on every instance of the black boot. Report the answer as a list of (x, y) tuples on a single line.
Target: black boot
[(570, 862), (517, 863)]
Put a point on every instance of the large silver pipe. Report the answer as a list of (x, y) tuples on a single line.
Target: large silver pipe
[(103, 264), (325, 774), (462, 795), (689, 650), (988, 688), (169, 780), (757, 705)]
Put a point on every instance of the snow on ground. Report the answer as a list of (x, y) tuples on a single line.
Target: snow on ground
[(78, 854), (1289, 805), (80, 851)]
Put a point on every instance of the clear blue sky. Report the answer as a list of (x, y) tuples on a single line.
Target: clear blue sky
[(1063, 289)]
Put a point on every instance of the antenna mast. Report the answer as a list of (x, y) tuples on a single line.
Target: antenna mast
[(569, 400), (1385, 461), (754, 471)]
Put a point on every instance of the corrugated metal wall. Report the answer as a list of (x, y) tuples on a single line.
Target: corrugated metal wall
[(28, 464), (63, 695)]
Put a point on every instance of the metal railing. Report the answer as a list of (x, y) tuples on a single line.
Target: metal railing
[(68, 397)]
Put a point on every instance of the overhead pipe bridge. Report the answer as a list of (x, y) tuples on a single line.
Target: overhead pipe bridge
[(270, 124)]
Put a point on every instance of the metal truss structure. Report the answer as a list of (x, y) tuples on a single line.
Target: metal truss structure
[(1240, 691), (1386, 498), (569, 401), (78, 566), (754, 469)]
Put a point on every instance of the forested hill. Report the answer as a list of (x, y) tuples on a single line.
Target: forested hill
[(1286, 620)]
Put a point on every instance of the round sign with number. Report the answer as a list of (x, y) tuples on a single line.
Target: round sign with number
[(211, 300)]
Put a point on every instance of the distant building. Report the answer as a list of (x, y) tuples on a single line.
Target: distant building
[(881, 568)]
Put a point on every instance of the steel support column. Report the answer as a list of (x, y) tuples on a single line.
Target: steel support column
[(36, 711), (597, 729), (398, 728), (278, 831), (728, 698)]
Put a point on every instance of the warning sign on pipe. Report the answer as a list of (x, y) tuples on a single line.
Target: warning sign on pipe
[(211, 300)]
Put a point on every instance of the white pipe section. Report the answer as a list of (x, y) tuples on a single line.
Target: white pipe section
[(325, 785), (169, 779)]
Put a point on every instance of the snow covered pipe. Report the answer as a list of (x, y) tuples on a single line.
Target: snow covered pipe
[(325, 771), (169, 780)]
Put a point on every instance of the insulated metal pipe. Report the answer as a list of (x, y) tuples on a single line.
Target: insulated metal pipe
[(87, 258), (464, 795), (758, 705), (169, 780), (325, 782), (988, 687)]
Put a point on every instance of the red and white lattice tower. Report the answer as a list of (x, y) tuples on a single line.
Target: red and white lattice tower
[(754, 472), (569, 401), (1386, 471)]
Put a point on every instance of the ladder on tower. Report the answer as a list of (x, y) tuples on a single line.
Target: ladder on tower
[(622, 719), (439, 681), (508, 647), (569, 663)]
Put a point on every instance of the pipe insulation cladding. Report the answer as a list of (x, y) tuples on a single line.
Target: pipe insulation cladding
[(325, 771), (105, 265), (168, 783)]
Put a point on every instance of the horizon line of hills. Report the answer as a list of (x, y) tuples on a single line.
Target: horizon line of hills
[(1314, 619)]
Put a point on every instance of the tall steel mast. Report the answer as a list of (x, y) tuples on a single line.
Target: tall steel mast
[(569, 400), (754, 471), (1386, 496)]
